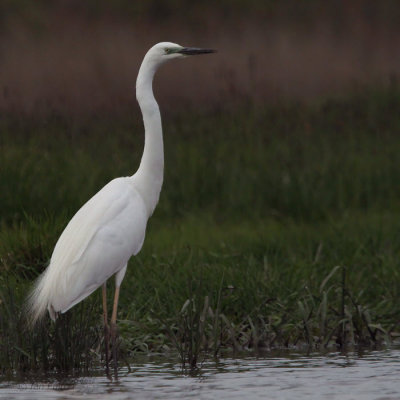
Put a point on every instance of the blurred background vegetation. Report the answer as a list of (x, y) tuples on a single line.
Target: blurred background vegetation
[(79, 58), (281, 202)]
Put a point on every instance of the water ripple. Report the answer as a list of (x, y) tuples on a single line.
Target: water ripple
[(367, 376)]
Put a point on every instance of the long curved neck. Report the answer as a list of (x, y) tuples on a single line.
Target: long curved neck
[(149, 176)]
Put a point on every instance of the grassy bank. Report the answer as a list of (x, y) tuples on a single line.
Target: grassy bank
[(276, 227)]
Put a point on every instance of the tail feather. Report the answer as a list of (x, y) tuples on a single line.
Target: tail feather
[(38, 301)]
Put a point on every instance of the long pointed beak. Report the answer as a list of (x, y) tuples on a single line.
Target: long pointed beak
[(192, 51)]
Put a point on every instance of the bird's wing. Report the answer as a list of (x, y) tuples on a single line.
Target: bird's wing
[(97, 242)]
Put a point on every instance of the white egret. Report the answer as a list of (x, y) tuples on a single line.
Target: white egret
[(102, 236)]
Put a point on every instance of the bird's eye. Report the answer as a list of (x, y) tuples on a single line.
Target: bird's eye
[(167, 50)]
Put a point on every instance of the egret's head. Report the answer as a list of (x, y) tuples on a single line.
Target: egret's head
[(165, 51), (158, 55)]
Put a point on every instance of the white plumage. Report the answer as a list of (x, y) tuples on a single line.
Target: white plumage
[(101, 237), (97, 243)]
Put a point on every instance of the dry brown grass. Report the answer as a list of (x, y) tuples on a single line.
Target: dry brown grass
[(75, 66)]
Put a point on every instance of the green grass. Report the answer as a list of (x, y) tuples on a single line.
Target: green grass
[(276, 227)]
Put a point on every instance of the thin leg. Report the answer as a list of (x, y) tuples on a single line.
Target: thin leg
[(114, 331), (119, 276), (106, 328)]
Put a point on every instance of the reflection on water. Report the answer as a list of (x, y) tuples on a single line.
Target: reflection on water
[(369, 375)]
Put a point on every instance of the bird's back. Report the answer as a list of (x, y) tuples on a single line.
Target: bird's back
[(97, 243)]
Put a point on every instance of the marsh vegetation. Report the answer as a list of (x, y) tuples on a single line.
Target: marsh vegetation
[(277, 226)]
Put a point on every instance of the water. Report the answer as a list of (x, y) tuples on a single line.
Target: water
[(369, 375)]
